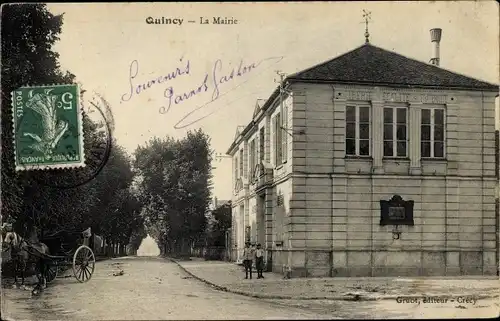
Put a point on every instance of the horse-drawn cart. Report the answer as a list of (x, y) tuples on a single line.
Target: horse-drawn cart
[(66, 250)]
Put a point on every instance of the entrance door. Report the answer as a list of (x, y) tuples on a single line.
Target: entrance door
[(261, 220)]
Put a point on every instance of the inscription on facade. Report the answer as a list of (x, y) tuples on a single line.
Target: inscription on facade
[(359, 95), (391, 96), (396, 211)]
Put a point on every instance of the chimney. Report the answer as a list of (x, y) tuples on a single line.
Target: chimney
[(435, 39)]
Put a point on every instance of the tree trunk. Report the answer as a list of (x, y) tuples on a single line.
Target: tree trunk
[(184, 248)]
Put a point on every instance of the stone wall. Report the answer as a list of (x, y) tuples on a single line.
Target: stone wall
[(335, 208)]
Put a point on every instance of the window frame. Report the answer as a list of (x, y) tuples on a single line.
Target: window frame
[(283, 132), (236, 166), (394, 124), (357, 138), (252, 159), (278, 140), (262, 144), (432, 125), (241, 163)]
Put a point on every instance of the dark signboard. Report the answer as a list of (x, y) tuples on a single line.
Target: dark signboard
[(396, 211)]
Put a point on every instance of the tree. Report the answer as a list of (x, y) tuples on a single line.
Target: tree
[(137, 237), (106, 204), (175, 189), (28, 33)]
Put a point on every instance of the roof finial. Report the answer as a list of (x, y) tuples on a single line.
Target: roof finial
[(367, 16)]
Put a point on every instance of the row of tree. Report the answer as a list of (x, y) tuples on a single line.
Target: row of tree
[(174, 178), (107, 203)]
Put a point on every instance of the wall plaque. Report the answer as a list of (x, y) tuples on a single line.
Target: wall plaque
[(396, 96), (396, 211)]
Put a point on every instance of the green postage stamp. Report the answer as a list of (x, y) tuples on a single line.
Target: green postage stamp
[(48, 130)]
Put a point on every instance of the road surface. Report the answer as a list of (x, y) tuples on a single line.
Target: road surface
[(150, 288), (153, 288)]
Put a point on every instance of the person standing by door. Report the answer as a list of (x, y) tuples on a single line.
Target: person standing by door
[(259, 261), (247, 259)]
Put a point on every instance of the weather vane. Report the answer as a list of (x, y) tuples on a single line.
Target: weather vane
[(367, 16)]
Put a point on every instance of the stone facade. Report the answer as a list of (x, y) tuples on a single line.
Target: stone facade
[(318, 211)]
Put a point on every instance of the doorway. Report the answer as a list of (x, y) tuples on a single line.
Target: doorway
[(261, 220)]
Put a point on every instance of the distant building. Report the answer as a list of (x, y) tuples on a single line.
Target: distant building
[(214, 204), (217, 203), (375, 164)]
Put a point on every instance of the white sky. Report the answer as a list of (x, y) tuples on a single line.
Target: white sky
[(148, 247), (100, 40)]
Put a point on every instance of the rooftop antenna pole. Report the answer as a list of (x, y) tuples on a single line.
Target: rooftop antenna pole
[(282, 90), (284, 124), (282, 78), (367, 16)]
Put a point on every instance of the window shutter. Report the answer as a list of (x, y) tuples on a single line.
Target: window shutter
[(245, 162), (255, 159), (284, 135), (279, 139), (262, 143), (241, 162), (236, 169), (275, 123)]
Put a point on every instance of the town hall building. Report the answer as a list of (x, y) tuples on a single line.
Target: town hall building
[(370, 164)]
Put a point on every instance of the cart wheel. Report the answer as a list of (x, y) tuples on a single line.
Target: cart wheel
[(83, 263), (51, 273)]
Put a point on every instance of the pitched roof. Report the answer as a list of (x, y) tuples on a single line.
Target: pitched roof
[(238, 131), (258, 105), (369, 64)]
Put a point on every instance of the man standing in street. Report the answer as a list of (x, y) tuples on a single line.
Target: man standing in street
[(247, 259), (259, 261)]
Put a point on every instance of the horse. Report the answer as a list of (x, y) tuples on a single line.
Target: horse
[(19, 256), (20, 250)]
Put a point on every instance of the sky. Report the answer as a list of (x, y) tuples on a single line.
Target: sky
[(148, 247), (115, 53)]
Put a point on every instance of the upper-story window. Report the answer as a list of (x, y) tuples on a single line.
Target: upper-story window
[(284, 136), (241, 162), (395, 132), (261, 144), (432, 133), (252, 157), (278, 143), (357, 138), (236, 168)]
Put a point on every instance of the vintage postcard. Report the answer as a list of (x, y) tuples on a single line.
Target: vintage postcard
[(236, 160)]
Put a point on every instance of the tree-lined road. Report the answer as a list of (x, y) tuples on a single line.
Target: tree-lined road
[(150, 288)]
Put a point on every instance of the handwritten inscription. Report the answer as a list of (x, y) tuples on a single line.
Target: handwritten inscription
[(215, 82), (138, 89), (398, 97)]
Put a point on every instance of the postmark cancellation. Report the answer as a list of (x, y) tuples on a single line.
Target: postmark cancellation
[(48, 130)]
